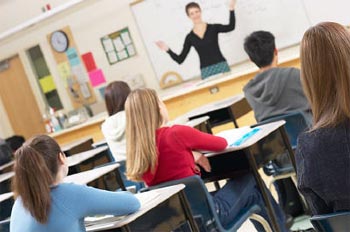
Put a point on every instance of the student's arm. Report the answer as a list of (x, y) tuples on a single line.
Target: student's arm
[(197, 140), (229, 27), (90, 201), (186, 49)]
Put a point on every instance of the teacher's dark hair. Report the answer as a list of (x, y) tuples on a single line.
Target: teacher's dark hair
[(192, 5), (115, 96), (36, 167), (260, 47)]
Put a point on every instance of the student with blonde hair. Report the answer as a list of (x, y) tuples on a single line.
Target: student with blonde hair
[(323, 154), (44, 203), (157, 153)]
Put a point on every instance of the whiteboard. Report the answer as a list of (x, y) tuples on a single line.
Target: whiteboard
[(325, 10), (166, 20)]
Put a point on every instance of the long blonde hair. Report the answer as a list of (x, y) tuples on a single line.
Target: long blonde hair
[(143, 118), (325, 70)]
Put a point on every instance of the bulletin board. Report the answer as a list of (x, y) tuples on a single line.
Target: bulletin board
[(118, 46), (73, 72)]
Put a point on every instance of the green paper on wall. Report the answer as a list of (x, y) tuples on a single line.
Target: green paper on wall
[(47, 84)]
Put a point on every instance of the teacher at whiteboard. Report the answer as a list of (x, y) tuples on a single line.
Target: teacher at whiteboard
[(204, 38)]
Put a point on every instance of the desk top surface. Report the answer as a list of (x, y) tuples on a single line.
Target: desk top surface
[(233, 134), (6, 176), (91, 175), (5, 196), (227, 102), (148, 200), (68, 146), (81, 157), (7, 165)]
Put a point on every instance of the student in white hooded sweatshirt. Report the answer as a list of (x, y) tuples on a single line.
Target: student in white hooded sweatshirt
[(113, 128)]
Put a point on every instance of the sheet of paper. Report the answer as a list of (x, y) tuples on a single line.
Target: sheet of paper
[(122, 55), (126, 38), (73, 57), (47, 84), (108, 45), (233, 135), (131, 49), (89, 61), (96, 77), (112, 57), (85, 91), (119, 46), (147, 197), (101, 219), (80, 73)]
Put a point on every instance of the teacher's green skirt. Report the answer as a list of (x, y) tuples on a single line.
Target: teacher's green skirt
[(214, 69)]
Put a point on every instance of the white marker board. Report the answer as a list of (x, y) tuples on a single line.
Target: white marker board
[(166, 20)]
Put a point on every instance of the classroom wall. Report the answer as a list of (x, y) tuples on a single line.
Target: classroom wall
[(93, 20)]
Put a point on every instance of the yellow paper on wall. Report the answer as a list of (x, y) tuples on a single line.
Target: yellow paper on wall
[(64, 71), (47, 84)]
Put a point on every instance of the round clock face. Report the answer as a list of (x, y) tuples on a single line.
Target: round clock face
[(59, 41)]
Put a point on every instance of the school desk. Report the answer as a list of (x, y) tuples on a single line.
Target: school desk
[(267, 144), (6, 176), (88, 159), (79, 178), (193, 94), (164, 209), (77, 146), (222, 111), (85, 155), (94, 174), (6, 196), (7, 166)]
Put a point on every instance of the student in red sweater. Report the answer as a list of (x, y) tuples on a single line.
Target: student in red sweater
[(157, 153)]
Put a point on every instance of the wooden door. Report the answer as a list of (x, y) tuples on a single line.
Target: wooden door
[(19, 101)]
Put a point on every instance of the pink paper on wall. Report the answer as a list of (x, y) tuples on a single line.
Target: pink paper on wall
[(96, 77)]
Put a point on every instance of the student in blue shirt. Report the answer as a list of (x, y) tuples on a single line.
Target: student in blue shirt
[(45, 203)]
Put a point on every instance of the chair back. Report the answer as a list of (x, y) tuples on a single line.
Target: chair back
[(5, 225), (296, 123), (200, 201), (334, 222)]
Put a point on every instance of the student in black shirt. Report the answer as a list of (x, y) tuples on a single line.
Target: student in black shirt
[(204, 38)]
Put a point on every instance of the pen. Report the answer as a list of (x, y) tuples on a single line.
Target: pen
[(245, 137)]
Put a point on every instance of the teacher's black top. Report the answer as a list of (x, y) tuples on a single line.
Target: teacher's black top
[(208, 47)]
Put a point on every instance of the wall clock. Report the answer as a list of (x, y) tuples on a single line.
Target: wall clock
[(59, 41)]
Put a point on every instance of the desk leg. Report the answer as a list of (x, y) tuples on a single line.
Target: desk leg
[(233, 118), (288, 146), (119, 179), (187, 211), (263, 190)]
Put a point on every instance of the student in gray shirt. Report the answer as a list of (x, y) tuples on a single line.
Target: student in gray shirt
[(273, 91)]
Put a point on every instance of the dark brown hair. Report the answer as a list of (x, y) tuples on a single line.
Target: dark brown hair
[(36, 167), (191, 5), (325, 70), (115, 96)]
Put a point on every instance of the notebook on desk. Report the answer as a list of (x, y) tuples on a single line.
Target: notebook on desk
[(101, 219), (144, 198)]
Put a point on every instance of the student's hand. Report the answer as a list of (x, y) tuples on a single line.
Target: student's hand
[(201, 160), (232, 5), (162, 46)]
